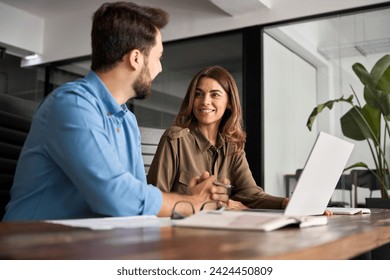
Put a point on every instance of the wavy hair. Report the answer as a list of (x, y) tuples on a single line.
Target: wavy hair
[(231, 126)]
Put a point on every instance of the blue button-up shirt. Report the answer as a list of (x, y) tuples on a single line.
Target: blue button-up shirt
[(82, 158)]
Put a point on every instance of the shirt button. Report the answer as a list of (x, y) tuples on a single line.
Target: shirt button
[(118, 129)]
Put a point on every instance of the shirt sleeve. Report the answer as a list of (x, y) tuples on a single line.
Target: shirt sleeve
[(80, 145), (246, 189), (162, 171)]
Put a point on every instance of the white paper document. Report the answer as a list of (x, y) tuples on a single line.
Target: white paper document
[(243, 220), (115, 222), (348, 211)]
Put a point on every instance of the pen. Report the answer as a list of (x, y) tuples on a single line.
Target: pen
[(227, 186), (223, 185)]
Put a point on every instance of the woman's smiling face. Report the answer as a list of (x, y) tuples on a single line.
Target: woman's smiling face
[(210, 102)]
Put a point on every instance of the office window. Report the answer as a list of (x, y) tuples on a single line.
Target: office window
[(289, 94), (308, 63)]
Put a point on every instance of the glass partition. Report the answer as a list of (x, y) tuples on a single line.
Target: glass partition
[(26, 83), (308, 63)]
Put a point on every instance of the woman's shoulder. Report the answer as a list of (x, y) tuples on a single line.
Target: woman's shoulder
[(175, 132)]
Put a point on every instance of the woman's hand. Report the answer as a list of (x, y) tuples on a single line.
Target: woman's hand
[(203, 189), (235, 205)]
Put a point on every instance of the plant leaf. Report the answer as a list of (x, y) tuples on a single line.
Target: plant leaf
[(378, 99), (357, 164), (321, 107), (380, 73), (361, 123), (376, 84), (363, 75)]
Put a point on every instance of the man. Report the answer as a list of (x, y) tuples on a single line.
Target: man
[(82, 157)]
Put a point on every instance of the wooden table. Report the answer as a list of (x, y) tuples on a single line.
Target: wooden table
[(343, 238)]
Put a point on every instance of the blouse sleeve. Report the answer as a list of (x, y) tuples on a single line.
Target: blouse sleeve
[(246, 190), (163, 168)]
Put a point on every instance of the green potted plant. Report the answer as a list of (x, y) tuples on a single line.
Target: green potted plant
[(369, 121)]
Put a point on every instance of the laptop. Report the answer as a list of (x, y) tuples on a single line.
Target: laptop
[(319, 177)]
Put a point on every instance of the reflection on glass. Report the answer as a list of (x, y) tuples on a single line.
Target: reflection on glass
[(25, 83)]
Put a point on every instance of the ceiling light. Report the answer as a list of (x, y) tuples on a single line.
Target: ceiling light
[(356, 49)]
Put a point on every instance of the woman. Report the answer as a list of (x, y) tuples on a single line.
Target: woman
[(208, 135)]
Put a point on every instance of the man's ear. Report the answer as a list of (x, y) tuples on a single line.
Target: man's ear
[(136, 59)]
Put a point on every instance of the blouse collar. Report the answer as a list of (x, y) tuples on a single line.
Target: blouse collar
[(204, 143)]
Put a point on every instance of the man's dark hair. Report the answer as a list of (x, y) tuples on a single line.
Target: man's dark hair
[(121, 27)]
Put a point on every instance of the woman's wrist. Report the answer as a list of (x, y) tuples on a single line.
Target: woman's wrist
[(284, 203)]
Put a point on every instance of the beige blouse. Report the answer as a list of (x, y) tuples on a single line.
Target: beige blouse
[(183, 153)]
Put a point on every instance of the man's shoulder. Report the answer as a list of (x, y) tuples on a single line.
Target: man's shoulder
[(175, 132), (89, 83)]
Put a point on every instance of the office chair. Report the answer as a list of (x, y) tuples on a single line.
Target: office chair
[(150, 137), (363, 178), (15, 121)]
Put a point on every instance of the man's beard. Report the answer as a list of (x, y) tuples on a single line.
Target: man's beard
[(143, 85)]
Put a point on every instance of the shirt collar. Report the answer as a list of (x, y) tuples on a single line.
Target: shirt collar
[(112, 107), (204, 143)]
